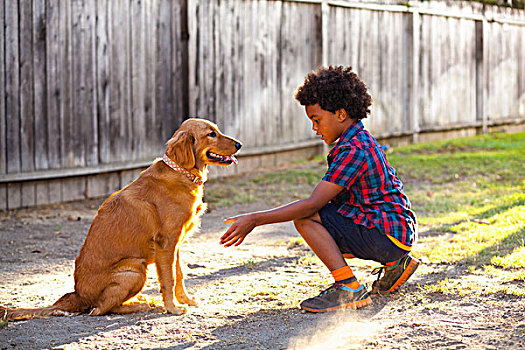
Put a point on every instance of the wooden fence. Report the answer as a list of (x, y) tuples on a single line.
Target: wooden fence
[(90, 90)]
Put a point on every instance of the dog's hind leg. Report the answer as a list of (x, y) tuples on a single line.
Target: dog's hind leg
[(180, 289), (126, 282), (139, 303), (131, 308)]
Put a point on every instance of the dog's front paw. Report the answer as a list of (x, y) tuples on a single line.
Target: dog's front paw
[(175, 310), (191, 301), (184, 299)]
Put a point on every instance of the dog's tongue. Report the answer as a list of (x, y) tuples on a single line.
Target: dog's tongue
[(232, 158)]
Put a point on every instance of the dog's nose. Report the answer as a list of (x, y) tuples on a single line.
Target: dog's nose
[(238, 145)]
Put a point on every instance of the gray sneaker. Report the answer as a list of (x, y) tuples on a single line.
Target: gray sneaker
[(394, 277), (337, 296)]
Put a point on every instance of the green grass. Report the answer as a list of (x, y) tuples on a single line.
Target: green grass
[(275, 187), (3, 320), (468, 194)]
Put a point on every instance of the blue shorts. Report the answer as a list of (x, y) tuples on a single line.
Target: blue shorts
[(358, 240)]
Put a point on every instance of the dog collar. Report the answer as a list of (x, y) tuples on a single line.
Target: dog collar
[(193, 178)]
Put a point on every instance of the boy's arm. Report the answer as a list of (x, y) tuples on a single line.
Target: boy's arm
[(244, 224)]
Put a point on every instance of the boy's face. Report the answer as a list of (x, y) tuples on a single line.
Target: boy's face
[(327, 124)]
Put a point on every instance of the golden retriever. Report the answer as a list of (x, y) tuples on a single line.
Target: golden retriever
[(142, 224)]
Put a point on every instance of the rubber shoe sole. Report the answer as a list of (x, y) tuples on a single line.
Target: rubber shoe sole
[(412, 266), (353, 305)]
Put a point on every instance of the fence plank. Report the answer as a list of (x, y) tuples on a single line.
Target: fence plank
[(53, 86), (3, 139), (120, 125), (138, 78), (27, 137), (151, 58), (41, 154), (521, 75), (503, 68), (12, 87), (84, 143), (12, 100), (102, 70), (3, 146), (65, 68), (88, 89), (177, 89), (163, 75), (77, 115)]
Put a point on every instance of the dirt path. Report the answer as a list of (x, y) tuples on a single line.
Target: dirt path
[(248, 296)]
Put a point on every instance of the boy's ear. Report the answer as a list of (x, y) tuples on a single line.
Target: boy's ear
[(341, 114)]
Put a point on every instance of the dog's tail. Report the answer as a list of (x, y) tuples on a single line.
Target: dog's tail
[(69, 304)]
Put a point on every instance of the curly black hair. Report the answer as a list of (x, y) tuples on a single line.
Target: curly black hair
[(334, 88)]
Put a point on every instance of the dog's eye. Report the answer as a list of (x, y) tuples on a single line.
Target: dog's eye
[(212, 134)]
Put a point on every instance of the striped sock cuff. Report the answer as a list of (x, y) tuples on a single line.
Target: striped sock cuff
[(342, 273)]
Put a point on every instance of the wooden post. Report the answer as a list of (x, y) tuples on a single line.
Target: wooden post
[(12, 102), (481, 115), (3, 145), (415, 93), (184, 47), (325, 15)]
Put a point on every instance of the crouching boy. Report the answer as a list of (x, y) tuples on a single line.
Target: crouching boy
[(358, 209)]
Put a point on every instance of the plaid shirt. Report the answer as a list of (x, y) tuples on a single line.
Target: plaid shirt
[(373, 194)]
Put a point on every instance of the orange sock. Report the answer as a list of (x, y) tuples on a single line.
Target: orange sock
[(344, 273)]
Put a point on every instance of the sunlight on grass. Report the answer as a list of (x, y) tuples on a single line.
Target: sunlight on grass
[(464, 288), (469, 195), (516, 259), (296, 242), (471, 242), (309, 259)]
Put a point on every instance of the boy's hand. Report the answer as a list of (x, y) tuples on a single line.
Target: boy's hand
[(242, 225)]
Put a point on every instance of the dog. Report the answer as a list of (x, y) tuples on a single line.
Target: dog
[(144, 223)]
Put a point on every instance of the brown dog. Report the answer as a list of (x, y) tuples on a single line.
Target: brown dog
[(141, 224)]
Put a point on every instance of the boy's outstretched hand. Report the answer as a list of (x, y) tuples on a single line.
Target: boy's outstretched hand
[(242, 225)]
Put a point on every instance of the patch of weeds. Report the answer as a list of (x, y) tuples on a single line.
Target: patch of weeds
[(441, 307), (251, 264), (505, 289), (268, 294), (296, 242), (315, 282), (447, 287), (3, 321), (309, 260), (516, 259), (520, 330), (505, 276)]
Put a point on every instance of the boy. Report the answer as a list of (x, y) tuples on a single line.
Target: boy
[(358, 209)]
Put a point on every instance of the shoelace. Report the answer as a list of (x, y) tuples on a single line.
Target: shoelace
[(381, 269), (378, 271)]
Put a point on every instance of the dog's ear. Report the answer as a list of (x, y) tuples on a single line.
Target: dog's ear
[(181, 149)]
